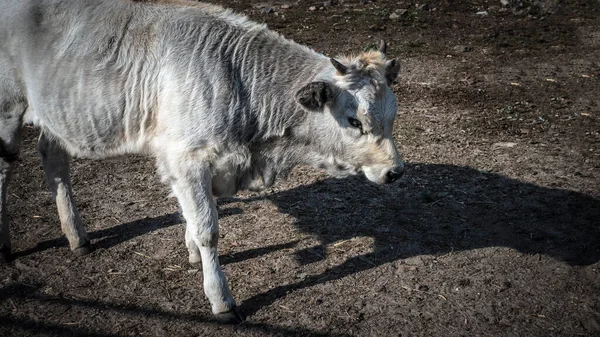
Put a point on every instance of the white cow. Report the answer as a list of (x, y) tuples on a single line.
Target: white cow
[(222, 103)]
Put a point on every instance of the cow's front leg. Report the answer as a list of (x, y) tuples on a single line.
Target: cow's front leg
[(192, 187), (56, 167)]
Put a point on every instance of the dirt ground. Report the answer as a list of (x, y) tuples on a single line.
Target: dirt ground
[(493, 231)]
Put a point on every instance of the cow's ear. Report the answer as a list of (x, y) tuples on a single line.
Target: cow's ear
[(392, 69), (315, 95)]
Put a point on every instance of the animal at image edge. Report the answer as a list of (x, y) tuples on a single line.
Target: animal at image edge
[(220, 102)]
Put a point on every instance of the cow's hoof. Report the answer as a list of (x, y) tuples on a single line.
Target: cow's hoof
[(230, 317), (83, 250), (5, 255)]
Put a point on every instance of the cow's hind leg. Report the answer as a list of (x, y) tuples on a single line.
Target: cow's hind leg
[(11, 118), (191, 182), (12, 108), (56, 166)]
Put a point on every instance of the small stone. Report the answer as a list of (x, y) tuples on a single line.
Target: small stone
[(504, 2), (266, 10), (401, 11), (462, 48), (482, 13), (312, 8), (394, 16), (504, 144), (285, 6), (260, 5), (377, 28)]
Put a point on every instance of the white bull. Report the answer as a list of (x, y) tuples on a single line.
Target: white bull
[(222, 103)]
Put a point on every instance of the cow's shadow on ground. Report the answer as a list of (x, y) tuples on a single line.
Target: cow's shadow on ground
[(436, 209), (109, 237)]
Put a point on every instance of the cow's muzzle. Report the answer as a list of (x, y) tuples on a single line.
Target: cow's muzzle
[(394, 174)]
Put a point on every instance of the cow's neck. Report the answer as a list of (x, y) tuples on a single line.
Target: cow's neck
[(284, 138), (279, 69)]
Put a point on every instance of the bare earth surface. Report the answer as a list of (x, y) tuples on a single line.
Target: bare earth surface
[(493, 231)]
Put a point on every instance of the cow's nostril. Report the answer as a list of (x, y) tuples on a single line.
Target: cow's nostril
[(394, 174)]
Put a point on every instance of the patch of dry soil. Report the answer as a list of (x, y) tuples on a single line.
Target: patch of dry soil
[(493, 231)]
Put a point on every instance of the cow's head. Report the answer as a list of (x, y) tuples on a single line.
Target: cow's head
[(353, 116)]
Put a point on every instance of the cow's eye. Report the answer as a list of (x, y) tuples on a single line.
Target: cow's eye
[(355, 123)]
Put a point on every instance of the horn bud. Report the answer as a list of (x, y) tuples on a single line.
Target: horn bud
[(382, 47), (341, 69)]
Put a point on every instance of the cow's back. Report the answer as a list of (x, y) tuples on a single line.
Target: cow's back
[(89, 68), (113, 76)]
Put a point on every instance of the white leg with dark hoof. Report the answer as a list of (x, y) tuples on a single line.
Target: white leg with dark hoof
[(191, 183), (232, 316), (56, 167)]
